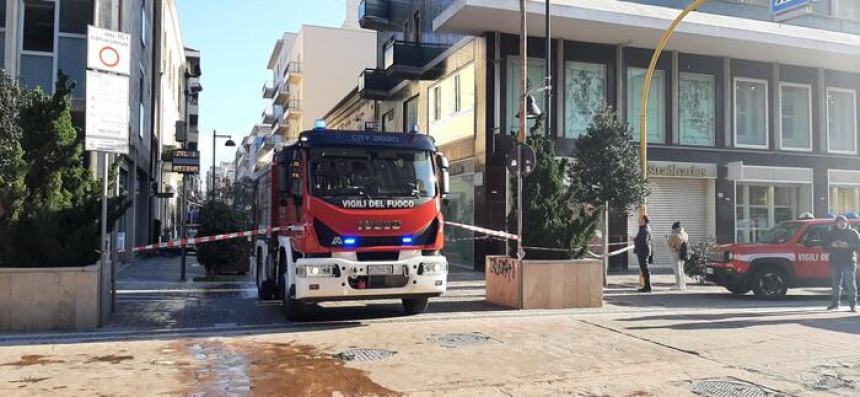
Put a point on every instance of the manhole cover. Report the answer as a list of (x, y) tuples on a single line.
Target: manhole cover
[(730, 388), (460, 340), (361, 355)]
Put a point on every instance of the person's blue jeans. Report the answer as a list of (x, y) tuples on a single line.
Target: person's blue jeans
[(842, 276)]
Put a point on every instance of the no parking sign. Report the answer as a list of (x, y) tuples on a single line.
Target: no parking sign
[(108, 51)]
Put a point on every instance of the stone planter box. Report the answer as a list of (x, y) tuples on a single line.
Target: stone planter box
[(43, 299), (544, 284)]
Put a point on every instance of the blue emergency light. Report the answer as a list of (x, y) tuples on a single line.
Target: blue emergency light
[(407, 240), (319, 125), (350, 241)]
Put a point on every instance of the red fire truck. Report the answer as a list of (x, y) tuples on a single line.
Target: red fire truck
[(360, 217)]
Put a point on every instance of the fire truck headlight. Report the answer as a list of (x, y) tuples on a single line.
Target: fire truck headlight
[(432, 267), (317, 271)]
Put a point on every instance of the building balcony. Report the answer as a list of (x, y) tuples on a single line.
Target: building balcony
[(411, 60), (294, 109), (272, 114), (374, 14), (375, 84), (283, 93), (269, 89), (293, 74)]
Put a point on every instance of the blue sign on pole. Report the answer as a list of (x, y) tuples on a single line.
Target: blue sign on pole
[(781, 6)]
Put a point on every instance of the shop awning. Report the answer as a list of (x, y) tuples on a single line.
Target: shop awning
[(639, 25)]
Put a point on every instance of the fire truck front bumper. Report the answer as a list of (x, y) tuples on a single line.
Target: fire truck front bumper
[(326, 279)]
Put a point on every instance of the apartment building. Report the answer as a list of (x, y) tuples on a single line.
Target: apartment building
[(751, 121), (311, 69)]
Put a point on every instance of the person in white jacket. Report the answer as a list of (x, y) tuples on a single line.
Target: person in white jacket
[(678, 244)]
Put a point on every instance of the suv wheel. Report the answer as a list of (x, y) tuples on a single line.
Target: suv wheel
[(770, 282)]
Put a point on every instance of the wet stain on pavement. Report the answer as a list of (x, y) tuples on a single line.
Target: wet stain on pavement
[(33, 359), (112, 358), (272, 369)]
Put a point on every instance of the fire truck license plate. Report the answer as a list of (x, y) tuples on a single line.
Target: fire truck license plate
[(379, 269)]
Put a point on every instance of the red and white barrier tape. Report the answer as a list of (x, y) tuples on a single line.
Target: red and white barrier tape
[(481, 230), (206, 239)]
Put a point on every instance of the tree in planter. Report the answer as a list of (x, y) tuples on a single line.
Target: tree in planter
[(607, 170), (51, 202), (551, 219), (217, 217)]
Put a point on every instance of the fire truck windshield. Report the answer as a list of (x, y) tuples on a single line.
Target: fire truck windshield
[(371, 173)]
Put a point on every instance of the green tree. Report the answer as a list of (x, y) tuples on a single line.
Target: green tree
[(217, 217), (551, 218), (606, 169), (12, 166), (53, 202)]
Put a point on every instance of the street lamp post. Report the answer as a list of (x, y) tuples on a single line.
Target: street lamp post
[(646, 89), (229, 143)]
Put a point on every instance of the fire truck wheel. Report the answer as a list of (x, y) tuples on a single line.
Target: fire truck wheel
[(415, 305), (294, 310), (770, 282)]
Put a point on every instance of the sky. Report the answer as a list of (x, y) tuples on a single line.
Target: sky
[(235, 38)]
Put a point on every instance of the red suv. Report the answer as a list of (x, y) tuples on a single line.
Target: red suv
[(787, 256)]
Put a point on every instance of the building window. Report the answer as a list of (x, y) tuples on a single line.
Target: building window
[(751, 113), (584, 95), (141, 111), (656, 104), (535, 78), (38, 26), (388, 121), (2, 34), (760, 207), (72, 61), (841, 121), (410, 112), (75, 15), (143, 23), (844, 199), (437, 102), (697, 97), (847, 9), (796, 116), (458, 94)]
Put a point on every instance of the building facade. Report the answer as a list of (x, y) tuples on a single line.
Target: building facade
[(39, 39), (307, 67), (751, 122)]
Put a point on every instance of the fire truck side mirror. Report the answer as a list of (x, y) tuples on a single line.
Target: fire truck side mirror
[(445, 176)]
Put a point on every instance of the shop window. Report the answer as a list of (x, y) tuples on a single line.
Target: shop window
[(844, 199), (656, 104), (751, 113), (535, 79), (75, 15), (697, 93), (38, 26), (796, 115), (760, 207), (584, 95), (841, 121)]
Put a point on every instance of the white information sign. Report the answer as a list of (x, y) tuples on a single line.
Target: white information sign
[(108, 50), (107, 113)]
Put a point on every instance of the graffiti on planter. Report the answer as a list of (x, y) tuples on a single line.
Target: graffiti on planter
[(504, 267)]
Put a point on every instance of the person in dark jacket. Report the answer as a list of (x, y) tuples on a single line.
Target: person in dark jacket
[(642, 249), (842, 242)]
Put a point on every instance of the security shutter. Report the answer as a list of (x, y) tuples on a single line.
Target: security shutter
[(672, 200)]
